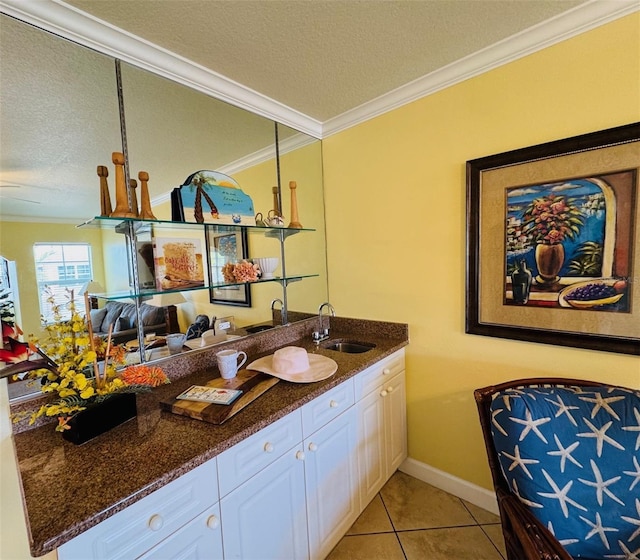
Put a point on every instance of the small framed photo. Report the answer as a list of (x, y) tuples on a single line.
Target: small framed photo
[(226, 245)]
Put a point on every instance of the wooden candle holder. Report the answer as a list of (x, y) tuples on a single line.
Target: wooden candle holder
[(122, 198), (295, 223), (145, 201), (105, 199), (133, 184)]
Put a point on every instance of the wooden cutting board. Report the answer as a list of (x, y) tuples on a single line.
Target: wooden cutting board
[(251, 383)]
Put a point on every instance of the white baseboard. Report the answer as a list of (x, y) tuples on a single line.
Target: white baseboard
[(477, 495)]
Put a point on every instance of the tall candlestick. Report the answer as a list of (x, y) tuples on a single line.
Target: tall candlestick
[(277, 205), (105, 199), (122, 198), (295, 223), (145, 202), (134, 197)]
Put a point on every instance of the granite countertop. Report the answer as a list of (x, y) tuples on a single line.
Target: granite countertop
[(67, 488)]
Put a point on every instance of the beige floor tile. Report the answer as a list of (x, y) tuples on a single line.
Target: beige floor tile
[(494, 532), (448, 544), (373, 519), (384, 546), (482, 516), (413, 504)]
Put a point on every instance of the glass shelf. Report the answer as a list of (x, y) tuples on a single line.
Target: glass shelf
[(104, 222), (146, 293)]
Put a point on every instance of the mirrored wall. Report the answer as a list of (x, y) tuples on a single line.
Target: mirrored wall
[(60, 120)]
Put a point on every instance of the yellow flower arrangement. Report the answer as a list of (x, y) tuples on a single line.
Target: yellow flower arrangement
[(74, 371)]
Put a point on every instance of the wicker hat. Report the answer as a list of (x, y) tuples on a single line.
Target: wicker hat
[(295, 364)]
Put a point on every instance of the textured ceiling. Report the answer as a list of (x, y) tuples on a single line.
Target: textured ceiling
[(317, 57), (324, 57)]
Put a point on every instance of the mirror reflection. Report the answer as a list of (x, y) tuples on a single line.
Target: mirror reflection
[(60, 121), (174, 131)]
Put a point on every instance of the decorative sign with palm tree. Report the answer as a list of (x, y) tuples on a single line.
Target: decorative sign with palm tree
[(212, 197)]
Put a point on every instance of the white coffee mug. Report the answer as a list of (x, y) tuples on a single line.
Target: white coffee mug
[(228, 362), (175, 342)]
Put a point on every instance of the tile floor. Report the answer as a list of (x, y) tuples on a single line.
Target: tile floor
[(412, 520)]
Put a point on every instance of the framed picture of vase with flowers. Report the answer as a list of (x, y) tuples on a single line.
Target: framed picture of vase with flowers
[(553, 254)]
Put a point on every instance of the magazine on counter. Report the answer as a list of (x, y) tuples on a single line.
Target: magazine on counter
[(212, 395)]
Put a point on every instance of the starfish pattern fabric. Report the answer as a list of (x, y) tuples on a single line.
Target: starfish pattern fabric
[(572, 455)]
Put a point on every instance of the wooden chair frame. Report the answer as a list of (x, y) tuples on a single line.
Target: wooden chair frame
[(524, 536)]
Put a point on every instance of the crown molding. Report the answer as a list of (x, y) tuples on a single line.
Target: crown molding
[(67, 21), (547, 33)]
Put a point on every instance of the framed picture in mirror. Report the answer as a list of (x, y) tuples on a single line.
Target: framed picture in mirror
[(227, 246)]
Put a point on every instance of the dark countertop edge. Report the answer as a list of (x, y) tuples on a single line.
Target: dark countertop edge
[(394, 339)]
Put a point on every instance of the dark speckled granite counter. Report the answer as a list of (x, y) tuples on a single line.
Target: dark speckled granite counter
[(68, 489)]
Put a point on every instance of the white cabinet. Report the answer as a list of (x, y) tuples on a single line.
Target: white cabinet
[(239, 463), (382, 424), (263, 499), (200, 539), (289, 491), (143, 525), (332, 488), (372, 452), (265, 518)]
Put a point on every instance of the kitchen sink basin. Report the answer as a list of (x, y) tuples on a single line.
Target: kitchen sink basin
[(258, 328), (349, 347)]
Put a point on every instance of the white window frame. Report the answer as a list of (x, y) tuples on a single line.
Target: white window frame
[(62, 274)]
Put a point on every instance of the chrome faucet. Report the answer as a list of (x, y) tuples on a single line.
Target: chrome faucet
[(273, 305), (322, 333)]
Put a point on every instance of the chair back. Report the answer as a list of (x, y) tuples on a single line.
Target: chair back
[(526, 538)]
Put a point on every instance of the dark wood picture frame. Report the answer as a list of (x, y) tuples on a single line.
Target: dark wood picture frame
[(608, 153), (226, 244)]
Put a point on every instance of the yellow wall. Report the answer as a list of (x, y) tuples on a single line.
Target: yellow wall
[(395, 204), (16, 244)]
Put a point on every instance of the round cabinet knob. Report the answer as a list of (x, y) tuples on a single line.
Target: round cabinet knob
[(155, 522), (386, 371), (313, 447), (389, 389), (333, 404), (383, 393), (268, 447), (213, 522), (300, 455)]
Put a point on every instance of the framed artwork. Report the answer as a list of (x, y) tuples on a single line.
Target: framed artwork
[(552, 242), (226, 245)]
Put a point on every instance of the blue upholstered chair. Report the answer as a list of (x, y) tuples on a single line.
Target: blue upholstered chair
[(565, 460)]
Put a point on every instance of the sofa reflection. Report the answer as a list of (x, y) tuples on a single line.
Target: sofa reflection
[(122, 316)]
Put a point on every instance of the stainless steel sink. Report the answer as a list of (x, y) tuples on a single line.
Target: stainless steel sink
[(348, 346), (258, 328)]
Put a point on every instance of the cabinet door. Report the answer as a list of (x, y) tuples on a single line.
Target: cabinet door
[(371, 448), (395, 419), (265, 518), (201, 539), (144, 524), (331, 476)]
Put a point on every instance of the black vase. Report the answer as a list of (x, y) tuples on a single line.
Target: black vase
[(521, 283), (100, 417)]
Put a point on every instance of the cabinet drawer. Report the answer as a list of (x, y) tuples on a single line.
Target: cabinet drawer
[(134, 530), (200, 539), (326, 407), (372, 377), (245, 459)]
